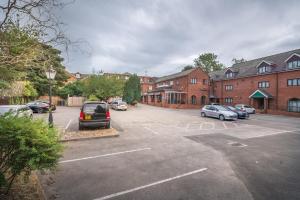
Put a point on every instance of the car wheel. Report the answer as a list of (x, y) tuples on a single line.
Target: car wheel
[(254, 112), (31, 117), (221, 117), (108, 126), (203, 114), (40, 110)]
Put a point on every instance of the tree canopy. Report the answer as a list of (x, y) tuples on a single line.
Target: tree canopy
[(103, 87), (187, 67), (208, 62), (132, 90), (71, 89), (236, 61), (23, 57)]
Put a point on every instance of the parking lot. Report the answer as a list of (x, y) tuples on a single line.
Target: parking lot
[(176, 154)]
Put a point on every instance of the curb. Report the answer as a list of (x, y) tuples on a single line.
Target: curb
[(89, 138)]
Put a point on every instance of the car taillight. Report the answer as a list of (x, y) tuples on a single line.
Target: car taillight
[(107, 115), (81, 115)]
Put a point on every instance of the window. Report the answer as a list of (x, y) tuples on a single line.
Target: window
[(228, 100), (229, 75), (263, 84), (150, 87), (228, 87), (293, 82), (204, 81), (171, 82), (294, 64), (193, 80), (193, 100), (203, 99), (177, 82), (294, 105), (264, 69)]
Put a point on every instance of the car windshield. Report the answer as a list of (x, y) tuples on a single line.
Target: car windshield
[(6, 109), (94, 107), (122, 103), (232, 108), (221, 108), (247, 106)]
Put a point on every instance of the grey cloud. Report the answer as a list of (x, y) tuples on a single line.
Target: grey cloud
[(161, 36)]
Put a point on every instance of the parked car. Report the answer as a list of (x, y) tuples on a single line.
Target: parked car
[(16, 110), (219, 112), (38, 107), (246, 108), (94, 114), (53, 107), (119, 105), (242, 114)]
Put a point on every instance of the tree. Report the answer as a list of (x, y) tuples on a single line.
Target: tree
[(71, 89), (236, 61), (38, 15), (132, 90), (103, 87), (187, 67), (26, 145), (208, 62)]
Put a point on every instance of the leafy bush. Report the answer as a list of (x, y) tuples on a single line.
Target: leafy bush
[(26, 145), (93, 98)]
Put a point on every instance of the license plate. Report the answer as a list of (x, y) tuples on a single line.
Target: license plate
[(88, 117)]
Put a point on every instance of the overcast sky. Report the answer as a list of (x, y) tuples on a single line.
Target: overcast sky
[(161, 36)]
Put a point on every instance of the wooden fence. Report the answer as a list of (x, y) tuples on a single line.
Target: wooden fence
[(75, 101)]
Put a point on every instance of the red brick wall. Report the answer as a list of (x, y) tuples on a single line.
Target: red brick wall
[(199, 89), (244, 87)]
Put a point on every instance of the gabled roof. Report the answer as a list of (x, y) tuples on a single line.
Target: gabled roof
[(248, 68), (264, 61), (176, 75), (294, 54), (260, 94)]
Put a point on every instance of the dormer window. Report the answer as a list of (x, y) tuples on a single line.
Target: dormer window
[(229, 75), (293, 62), (77, 75), (264, 69)]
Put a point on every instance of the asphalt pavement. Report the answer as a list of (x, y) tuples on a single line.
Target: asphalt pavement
[(176, 154)]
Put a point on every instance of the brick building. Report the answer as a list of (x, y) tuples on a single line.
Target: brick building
[(271, 84), (187, 89)]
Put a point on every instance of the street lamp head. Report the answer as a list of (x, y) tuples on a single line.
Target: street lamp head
[(50, 73)]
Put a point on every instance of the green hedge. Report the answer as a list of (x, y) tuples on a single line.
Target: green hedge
[(25, 145)]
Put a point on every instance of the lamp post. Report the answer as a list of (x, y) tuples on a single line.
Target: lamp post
[(50, 73)]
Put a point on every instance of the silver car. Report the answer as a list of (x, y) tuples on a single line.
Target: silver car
[(219, 112), (120, 105), (16, 110)]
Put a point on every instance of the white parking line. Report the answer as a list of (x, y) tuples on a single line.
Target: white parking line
[(150, 185), (68, 124), (225, 126), (152, 131), (104, 155)]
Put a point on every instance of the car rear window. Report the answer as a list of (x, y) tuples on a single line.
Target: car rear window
[(247, 106), (94, 107)]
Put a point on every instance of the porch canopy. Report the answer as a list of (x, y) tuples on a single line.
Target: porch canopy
[(258, 94)]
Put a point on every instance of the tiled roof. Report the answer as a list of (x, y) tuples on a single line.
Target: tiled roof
[(248, 68), (176, 75)]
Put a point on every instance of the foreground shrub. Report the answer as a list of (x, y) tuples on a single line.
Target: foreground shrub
[(25, 145)]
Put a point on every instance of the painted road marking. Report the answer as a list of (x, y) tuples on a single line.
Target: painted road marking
[(104, 155), (68, 124), (152, 131), (150, 185)]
